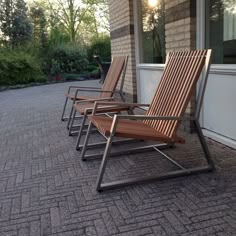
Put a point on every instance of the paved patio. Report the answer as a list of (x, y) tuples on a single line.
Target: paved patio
[(46, 190)]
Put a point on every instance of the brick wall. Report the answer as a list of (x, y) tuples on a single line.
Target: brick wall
[(180, 24), (180, 27), (122, 41), (180, 30)]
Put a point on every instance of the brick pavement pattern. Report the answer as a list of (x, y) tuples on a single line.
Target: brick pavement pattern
[(45, 189)]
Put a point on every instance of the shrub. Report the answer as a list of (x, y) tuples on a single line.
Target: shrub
[(68, 58), (92, 68), (100, 46), (18, 67), (70, 77)]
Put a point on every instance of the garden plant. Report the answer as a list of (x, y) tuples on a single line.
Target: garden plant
[(46, 41)]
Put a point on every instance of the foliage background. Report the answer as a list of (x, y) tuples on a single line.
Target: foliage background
[(49, 38)]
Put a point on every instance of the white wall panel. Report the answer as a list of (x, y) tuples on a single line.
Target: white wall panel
[(148, 81), (219, 106)]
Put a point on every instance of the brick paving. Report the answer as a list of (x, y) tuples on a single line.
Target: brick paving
[(45, 189)]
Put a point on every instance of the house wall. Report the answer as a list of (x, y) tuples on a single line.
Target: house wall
[(180, 34), (180, 25), (122, 41), (180, 30)]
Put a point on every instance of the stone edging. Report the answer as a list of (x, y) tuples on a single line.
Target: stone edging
[(19, 86)]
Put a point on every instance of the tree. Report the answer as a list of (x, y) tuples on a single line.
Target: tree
[(102, 11), (14, 23), (67, 13), (57, 33), (74, 15), (6, 10), (39, 26), (21, 25)]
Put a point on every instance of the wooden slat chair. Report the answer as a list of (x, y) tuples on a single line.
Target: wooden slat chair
[(162, 119), (107, 91)]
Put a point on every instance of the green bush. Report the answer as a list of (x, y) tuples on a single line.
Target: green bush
[(100, 46), (70, 58), (18, 67), (91, 68), (70, 77)]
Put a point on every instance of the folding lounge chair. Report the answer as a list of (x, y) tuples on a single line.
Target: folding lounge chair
[(108, 89), (162, 119)]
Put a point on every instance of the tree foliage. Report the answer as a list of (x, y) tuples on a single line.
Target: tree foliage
[(15, 25), (21, 25), (59, 36), (74, 16), (39, 22), (6, 10), (19, 67)]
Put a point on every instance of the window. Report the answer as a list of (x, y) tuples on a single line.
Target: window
[(221, 30), (152, 31)]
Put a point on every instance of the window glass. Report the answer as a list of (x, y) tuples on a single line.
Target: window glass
[(152, 31), (221, 30)]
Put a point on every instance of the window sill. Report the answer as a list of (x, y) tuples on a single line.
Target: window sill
[(151, 66), (223, 69)]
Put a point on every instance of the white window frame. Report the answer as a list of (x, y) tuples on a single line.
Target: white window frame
[(138, 43), (223, 69), (138, 51)]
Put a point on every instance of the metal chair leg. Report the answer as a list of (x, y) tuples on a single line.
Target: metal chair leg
[(83, 158), (72, 122), (171, 174), (80, 132), (69, 119), (204, 145), (64, 109), (104, 162)]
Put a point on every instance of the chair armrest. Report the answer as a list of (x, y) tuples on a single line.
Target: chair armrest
[(123, 104), (85, 90), (95, 100), (82, 87), (90, 90), (97, 90), (144, 117), (112, 105)]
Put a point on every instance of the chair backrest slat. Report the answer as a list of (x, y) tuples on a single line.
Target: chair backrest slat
[(175, 89), (113, 76), (181, 88)]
